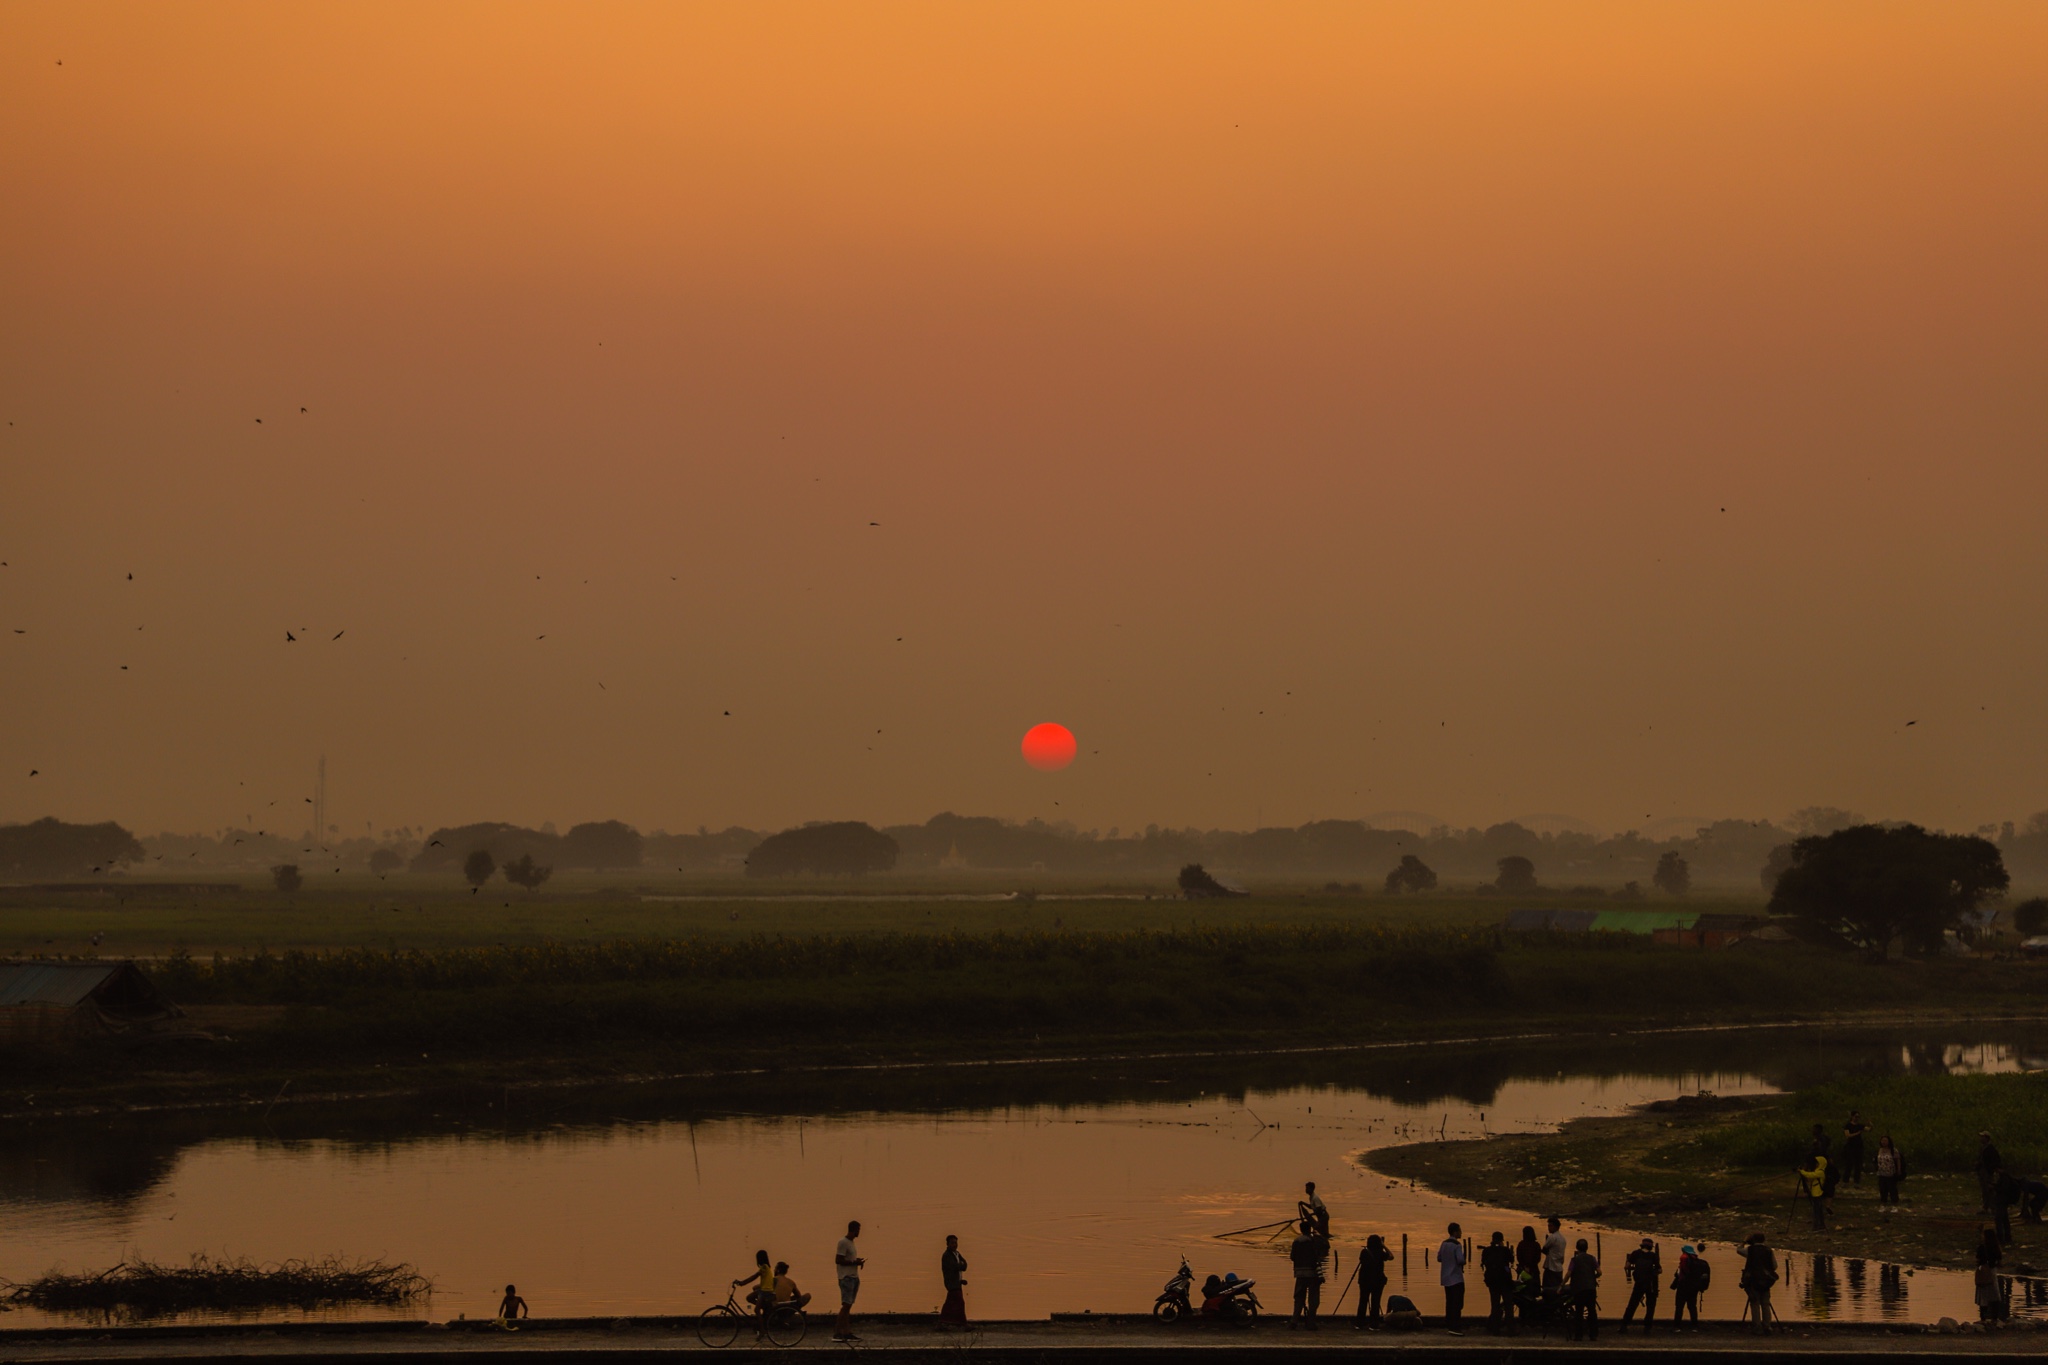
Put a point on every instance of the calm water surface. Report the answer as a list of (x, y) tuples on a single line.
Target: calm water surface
[(1070, 1188)]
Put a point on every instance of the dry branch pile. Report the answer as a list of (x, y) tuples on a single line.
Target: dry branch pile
[(142, 1289)]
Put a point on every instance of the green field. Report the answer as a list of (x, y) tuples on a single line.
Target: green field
[(366, 913), (337, 995), (1719, 1169)]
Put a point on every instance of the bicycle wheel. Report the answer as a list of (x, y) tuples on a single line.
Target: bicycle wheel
[(718, 1326), (786, 1326)]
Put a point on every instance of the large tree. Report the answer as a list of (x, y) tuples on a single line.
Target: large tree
[(53, 848), (1517, 876), (524, 871), (1673, 877), (1872, 885), (600, 844), (1410, 874), (843, 847)]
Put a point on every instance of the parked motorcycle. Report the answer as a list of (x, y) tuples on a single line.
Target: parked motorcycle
[(1172, 1304)]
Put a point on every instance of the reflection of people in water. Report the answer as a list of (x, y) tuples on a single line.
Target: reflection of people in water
[(1823, 1290), (1891, 1285)]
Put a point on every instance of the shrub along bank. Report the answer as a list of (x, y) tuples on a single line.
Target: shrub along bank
[(694, 1003)]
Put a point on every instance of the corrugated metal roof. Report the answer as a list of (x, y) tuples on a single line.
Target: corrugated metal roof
[(66, 984), (1644, 921)]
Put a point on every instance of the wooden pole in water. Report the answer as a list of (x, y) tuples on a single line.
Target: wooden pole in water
[(1404, 1255)]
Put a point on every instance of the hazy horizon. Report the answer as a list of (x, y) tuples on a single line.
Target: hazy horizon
[(1322, 409)]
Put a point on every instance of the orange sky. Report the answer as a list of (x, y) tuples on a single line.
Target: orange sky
[(1321, 409)]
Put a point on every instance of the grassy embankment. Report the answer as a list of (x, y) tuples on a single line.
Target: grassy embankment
[(763, 992), (1720, 1169), (422, 913)]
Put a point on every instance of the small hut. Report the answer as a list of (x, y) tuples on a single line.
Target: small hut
[(48, 1001)]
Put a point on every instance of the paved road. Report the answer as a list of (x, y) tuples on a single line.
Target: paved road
[(918, 1341)]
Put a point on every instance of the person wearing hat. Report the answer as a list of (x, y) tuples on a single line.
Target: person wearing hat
[(1643, 1268), (1689, 1283)]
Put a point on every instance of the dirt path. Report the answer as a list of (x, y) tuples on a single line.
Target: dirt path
[(1128, 1340)]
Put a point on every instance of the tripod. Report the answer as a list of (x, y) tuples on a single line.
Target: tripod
[(1758, 1310)]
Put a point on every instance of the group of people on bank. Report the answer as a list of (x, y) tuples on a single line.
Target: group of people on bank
[(1546, 1280)]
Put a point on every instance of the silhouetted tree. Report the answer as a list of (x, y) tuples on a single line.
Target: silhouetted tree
[(1672, 876), (285, 876), (385, 860), (1630, 891), (523, 871), (601, 844), (2030, 916), (845, 847), (1411, 874), (53, 848), (1517, 876), (442, 850), (479, 866), (1774, 867), (1870, 886), (1196, 884)]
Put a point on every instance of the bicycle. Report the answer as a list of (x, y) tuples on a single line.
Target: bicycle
[(719, 1325)]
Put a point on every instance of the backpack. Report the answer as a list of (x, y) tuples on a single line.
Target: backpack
[(1400, 1303), (1702, 1274)]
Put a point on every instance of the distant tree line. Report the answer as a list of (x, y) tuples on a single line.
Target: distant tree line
[(1508, 858)]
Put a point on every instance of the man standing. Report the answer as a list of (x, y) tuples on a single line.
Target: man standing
[(1989, 1163), (1582, 1289), (1497, 1273), (952, 1265), (847, 1262), (1554, 1252), (1308, 1252), (1315, 1210), (1851, 1164), (1644, 1270), (1450, 1263)]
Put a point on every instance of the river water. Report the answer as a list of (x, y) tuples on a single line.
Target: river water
[(1072, 1187)]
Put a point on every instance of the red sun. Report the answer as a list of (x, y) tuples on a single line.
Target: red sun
[(1049, 747)]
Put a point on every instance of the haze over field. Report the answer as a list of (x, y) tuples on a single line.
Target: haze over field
[(715, 415)]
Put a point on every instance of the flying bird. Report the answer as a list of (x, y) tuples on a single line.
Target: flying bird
[(33, 771), (259, 421), (301, 409), (434, 843), (1912, 722), (337, 634), (290, 638)]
